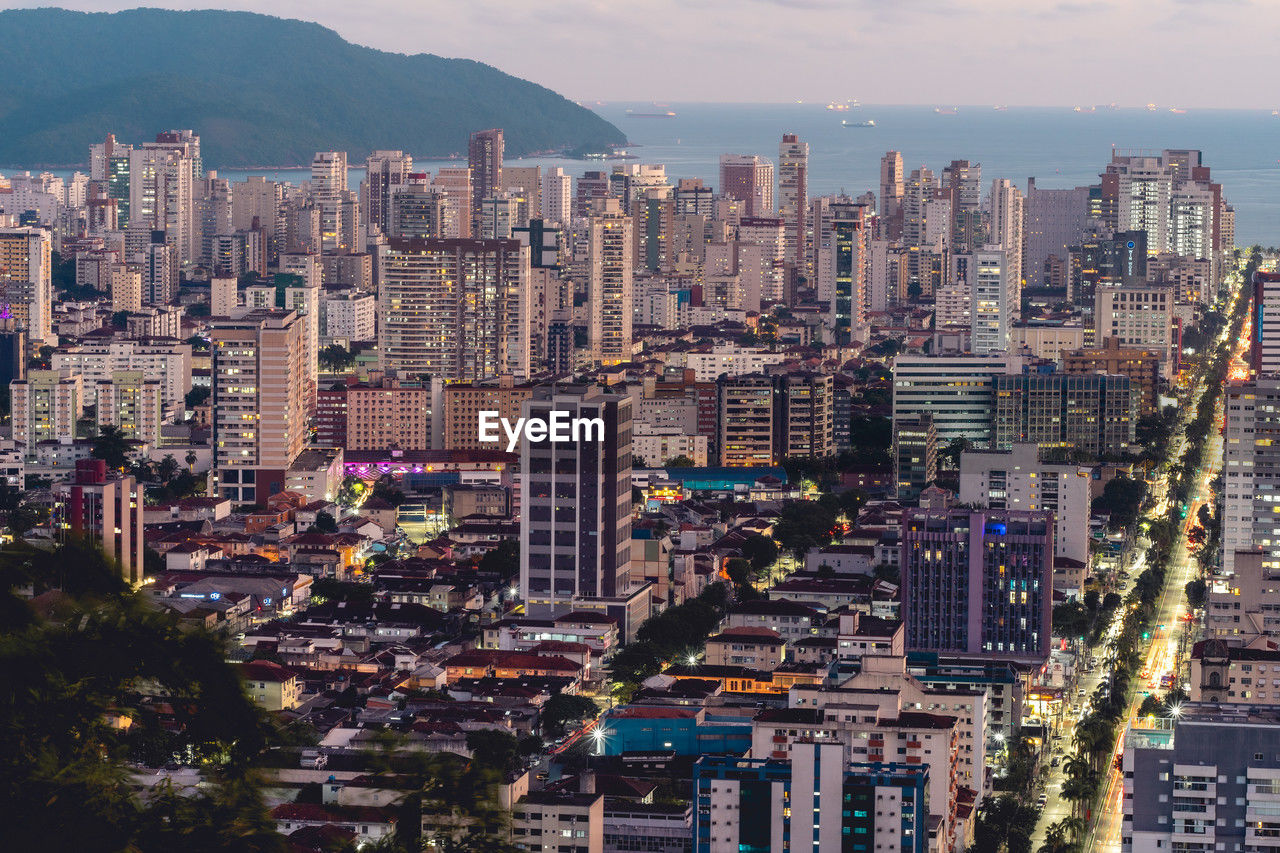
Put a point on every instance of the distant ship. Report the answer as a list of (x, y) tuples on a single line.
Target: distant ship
[(1177, 111), (1151, 108), (1085, 109), (838, 107), (945, 111), (868, 123), (1000, 108), (667, 114)]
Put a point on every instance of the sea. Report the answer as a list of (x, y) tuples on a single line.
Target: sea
[(1058, 146)]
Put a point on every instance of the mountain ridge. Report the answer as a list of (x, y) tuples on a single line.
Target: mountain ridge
[(258, 90)]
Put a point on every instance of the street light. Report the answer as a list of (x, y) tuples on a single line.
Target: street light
[(598, 735)]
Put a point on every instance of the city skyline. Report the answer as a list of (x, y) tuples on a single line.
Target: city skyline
[(965, 49)]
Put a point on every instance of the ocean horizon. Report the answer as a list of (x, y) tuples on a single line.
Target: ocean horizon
[(1058, 146)]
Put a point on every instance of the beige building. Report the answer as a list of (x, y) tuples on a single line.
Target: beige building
[(1140, 317), (655, 445), (755, 648), (463, 403), (610, 264), (316, 473), (553, 823), (389, 414), (746, 420), (126, 288), (1142, 366), (26, 282), (259, 411), (456, 310), (1049, 342), (274, 687), (168, 363), (45, 407), (132, 402)]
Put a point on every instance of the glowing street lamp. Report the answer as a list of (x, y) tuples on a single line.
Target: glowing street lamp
[(598, 735)]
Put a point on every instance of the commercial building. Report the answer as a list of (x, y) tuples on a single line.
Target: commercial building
[(1139, 317), (1095, 413), (1206, 780), (749, 179), (1054, 221), (814, 801), (455, 310), (977, 581), (1017, 479), (575, 499), (915, 456), (956, 390), (1142, 366), (259, 406)]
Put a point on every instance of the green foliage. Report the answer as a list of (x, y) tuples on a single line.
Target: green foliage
[(57, 100), (67, 677), (1121, 497), (325, 523), (336, 358), (803, 525), (680, 461), (564, 708), (494, 748), (329, 589), (196, 396), (1197, 593), (761, 551), (1004, 823), (386, 489), (670, 636), (503, 560)]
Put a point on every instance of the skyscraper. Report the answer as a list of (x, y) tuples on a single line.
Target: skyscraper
[(1251, 470), (26, 281), (384, 172), (975, 581), (892, 189), (455, 310), (1006, 232), (557, 196), (842, 282), (162, 178), (417, 210), (328, 186), (575, 498), (1264, 349), (991, 306), (793, 193), (1054, 221), (259, 410), (484, 156), (749, 179), (610, 265)]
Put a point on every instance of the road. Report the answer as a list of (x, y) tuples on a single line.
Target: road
[(1160, 653)]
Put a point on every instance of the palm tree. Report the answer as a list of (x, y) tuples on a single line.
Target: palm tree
[(191, 458)]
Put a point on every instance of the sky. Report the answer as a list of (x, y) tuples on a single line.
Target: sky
[(1187, 53)]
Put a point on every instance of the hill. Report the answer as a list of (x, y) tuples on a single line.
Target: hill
[(258, 90)]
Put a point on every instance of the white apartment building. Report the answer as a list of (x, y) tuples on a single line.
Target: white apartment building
[(169, 364)]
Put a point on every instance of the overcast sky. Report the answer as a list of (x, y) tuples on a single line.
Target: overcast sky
[(1189, 53)]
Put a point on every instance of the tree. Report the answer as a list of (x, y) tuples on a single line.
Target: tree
[(111, 446), (337, 358), (196, 396), (385, 488), (951, 453), (1197, 593), (493, 748), (167, 468), (564, 708), (191, 459), (325, 523), (503, 560), (680, 461), (761, 551), (804, 525)]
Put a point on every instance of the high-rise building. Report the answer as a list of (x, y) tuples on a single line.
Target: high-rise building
[(774, 804), (769, 234), (109, 169), (1054, 221), (457, 184), (259, 415), (1017, 479), (1207, 779), (388, 413), (841, 243), (991, 308), (162, 176), (384, 172), (793, 194), (957, 390), (557, 196), (1243, 612), (26, 281), (126, 288), (132, 403), (1142, 366), (892, 189), (1251, 470), (45, 407), (610, 266), (107, 510), (1140, 316), (455, 310), (977, 581), (1264, 349), (915, 456), (167, 362), (746, 421), (1006, 232), (303, 298), (328, 188), (749, 179), (1095, 414), (259, 203), (962, 185), (804, 420), (484, 156), (417, 210), (575, 498)]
